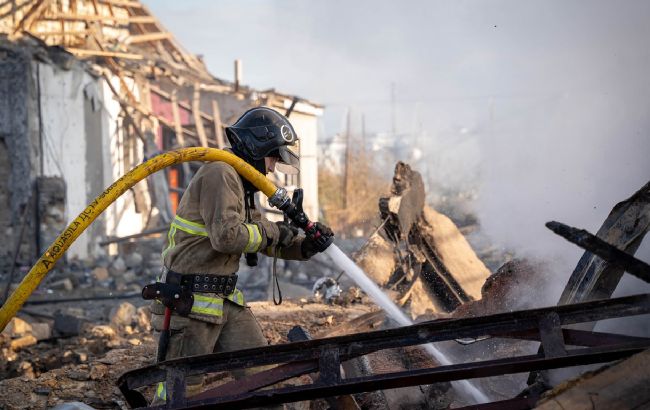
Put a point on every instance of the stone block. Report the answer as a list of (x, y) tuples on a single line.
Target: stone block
[(63, 284), (133, 260), (122, 315), (22, 342), (103, 332), (143, 318), (118, 265), (67, 325), (17, 328), (100, 274), (41, 331)]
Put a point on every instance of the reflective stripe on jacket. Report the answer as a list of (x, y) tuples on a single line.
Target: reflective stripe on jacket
[(210, 231), (209, 234)]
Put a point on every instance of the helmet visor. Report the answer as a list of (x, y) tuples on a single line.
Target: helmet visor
[(288, 163)]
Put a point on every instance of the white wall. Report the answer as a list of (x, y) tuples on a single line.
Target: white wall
[(306, 127), (65, 145), (121, 217), (64, 142)]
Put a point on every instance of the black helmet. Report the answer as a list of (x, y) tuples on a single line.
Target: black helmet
[(263, 132)]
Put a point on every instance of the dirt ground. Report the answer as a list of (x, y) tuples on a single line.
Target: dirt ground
[(91, 362)]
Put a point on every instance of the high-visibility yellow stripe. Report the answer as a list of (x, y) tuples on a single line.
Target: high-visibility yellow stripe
[(191, 231), (213, 306), (190, 227), (170, 239), (254, 238), (207, 311), (161, 391), (250, 238), (237, 297), (207, 305), (185, 221)]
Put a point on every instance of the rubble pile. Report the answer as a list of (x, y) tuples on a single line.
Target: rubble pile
[(420, 254), (508, 289), (32, 346), (74, 351), (85, 367)]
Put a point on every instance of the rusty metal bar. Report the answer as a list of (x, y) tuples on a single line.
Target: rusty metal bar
[(417, 377), (574, 337), (518, 403), (597, 246), (350, 346)]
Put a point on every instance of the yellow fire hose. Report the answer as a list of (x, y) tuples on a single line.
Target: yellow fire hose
[(94, 209)]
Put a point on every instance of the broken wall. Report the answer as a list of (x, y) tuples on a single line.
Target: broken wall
[(19, 153), (306, 127), (61, 125), (129, 213), (85, 142), (64, 139)]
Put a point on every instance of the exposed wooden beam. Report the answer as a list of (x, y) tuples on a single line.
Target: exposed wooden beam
[(190, 60), (13, 10), (178, 127), (83, 52), (122, 3), (94, 17), (181, 104), (196, 112), (124, 107), (218, 130), (30, 17), (46, 33), (143, 38), (117, 71)]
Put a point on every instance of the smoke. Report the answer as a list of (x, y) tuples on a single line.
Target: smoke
[(572, 161)]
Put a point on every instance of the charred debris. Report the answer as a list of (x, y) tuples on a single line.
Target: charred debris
[(345, 352), (84, 338)]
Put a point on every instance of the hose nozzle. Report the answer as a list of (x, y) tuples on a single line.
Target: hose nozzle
[(292, 208)]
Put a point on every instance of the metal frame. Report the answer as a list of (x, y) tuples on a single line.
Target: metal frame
[(325, 356)]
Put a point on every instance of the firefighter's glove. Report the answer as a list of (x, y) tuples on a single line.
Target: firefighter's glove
[(309, 247), (287, 233)]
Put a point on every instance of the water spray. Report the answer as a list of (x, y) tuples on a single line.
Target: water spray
[(292, 208)]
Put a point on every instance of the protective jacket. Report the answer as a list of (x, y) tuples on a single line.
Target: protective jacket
[(212, 229)]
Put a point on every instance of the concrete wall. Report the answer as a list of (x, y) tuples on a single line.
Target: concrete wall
[(126, 152), (64, 138), (86, 144), (306, 127), (19, 147)]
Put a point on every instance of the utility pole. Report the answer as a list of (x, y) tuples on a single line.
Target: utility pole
[(348, 155), (363, 132), (392, 109)]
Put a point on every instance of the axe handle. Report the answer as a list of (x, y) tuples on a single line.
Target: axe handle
[(165, 334)]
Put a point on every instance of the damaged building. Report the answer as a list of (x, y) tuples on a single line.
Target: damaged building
[(90, 90)]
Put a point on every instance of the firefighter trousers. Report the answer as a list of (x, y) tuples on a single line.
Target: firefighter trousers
[(238, 330)]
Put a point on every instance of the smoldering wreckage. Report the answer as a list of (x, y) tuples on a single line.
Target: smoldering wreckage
[(470, 337)]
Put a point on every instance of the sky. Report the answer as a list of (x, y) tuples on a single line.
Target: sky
[(541, 105)]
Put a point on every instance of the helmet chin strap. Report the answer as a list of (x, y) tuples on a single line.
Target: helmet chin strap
[(258, 164)]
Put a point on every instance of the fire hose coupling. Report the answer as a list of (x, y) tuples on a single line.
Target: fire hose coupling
[(280, 199), (292, 209)]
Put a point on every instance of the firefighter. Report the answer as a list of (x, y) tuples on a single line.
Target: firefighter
[(216, 222)]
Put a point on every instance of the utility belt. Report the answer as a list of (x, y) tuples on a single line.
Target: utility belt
[(175, 290)]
